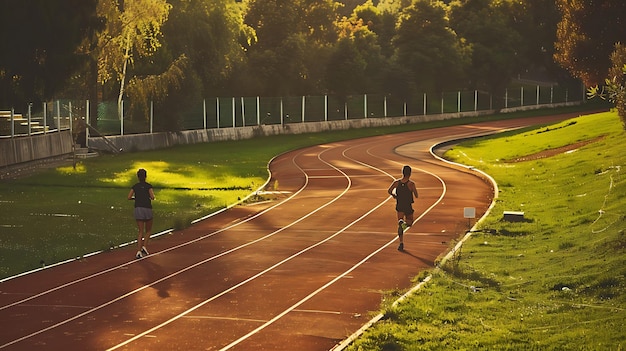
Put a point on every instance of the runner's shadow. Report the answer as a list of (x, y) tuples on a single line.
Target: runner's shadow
[(155, 272), (427, 262)]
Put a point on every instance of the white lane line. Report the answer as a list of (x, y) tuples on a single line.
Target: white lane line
[(126, 264), (326, 177), (254, 277), (353, 176), (317, 311), (161, 252), (170, 249), (320, 289), (225, 319), (293, 307), (58, 306), (261, 273)]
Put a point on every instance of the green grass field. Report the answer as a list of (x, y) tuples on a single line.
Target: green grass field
[(552, 282)]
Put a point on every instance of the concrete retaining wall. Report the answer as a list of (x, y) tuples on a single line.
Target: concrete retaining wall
[(142, 142), (25, 149)]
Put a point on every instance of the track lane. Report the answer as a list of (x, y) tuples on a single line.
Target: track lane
[(191, 266), (325, 260), (352, 266)]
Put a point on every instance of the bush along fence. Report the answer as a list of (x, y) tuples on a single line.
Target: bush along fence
[(230, 112)]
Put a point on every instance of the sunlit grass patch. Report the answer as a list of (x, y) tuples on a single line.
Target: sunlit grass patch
[(67, 170)]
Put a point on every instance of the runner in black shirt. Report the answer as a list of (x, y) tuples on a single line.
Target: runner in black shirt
[(143, 194), (404, 191)]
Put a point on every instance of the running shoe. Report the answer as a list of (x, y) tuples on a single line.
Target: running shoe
[(401, 247), (138, 255), (144, 252)]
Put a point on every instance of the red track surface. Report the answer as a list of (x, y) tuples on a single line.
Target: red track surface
[(302, 272)]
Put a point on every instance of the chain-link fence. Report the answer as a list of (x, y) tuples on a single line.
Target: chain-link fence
[(115, 118)]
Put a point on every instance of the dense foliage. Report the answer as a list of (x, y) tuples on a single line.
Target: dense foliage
[(586, 37), (614, 88), (172, 51), (39, 40)]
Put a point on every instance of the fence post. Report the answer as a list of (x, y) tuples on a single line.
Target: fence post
[(345, 110), (566, 94), (521, 96), (442, 103), (325, 108), (243, 112), (151, 116), (385, 106), (475, 100), (365, 105), (282, 113), (506, 98), (303, 107), (12, 122), (122, 117), (87, 124), (45, 117), (233, 109), (204, 114), (58, 116), (537, 94), (425, 104), (217, 112), (258, 111), (458, 102), (71, 122), (30, 105)]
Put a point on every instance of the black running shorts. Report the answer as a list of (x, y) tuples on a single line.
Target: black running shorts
[(406, 209), (143, 213)]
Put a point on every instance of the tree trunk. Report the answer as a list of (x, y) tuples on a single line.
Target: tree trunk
[(93, 92), (123, 79)]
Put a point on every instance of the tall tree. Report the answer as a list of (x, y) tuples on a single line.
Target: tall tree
[(586, 36), (380, 22), (357, 63), (39, 41), (293, 43), (536, 21), (497, 47), (211, 33), (347, 65), (428, 47), (133, 30)]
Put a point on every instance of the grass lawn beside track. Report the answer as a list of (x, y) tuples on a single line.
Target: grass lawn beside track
[(64, 213), (555, 281)]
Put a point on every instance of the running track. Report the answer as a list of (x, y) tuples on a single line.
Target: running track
[(301, 272)]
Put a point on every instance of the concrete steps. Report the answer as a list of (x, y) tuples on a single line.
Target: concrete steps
[(83, 152), (20, 124)]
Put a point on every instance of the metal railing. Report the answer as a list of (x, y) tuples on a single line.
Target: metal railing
[(232, 112)]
